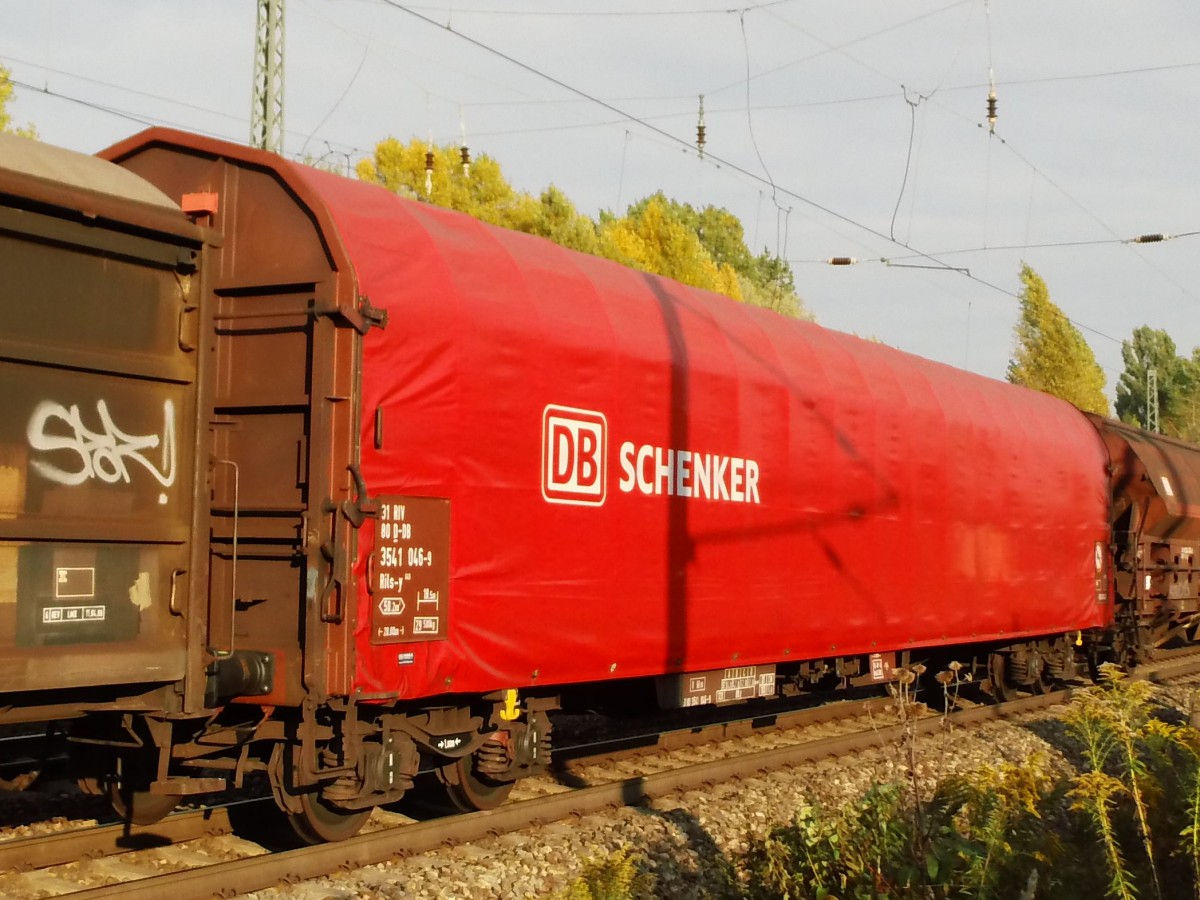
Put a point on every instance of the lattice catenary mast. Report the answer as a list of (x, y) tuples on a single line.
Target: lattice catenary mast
[(266, 113), (1152, 399)]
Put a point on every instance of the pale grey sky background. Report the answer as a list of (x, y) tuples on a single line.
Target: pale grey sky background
[(815, 111)]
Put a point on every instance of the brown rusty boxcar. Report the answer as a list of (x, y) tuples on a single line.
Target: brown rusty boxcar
[(99, 376)]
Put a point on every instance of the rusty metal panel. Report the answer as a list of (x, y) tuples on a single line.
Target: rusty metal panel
[(1159, 472), (284, 408), (73, 304), (261, 427), (1156, 524), (97, 426)]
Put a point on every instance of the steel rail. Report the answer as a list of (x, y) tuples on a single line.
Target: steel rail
[(43, 851), (259, 873)]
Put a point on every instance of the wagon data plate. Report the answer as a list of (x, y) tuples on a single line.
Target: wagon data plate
[(410, 582), (717, 686)]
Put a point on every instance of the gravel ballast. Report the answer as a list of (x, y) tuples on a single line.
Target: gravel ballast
[(687, 840)]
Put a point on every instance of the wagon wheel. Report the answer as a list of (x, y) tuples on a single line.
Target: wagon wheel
[(468, 790), (1041, 684), (998, 675), (319, 823), (313, 821)]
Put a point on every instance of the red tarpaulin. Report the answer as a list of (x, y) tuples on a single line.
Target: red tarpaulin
[(644, 477)]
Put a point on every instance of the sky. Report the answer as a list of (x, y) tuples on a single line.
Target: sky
[(834, 129)]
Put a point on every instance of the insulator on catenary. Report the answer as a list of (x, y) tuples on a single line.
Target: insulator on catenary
[(464, 153), (991, 110), (842, 261), (1151, 238), (700, 130)]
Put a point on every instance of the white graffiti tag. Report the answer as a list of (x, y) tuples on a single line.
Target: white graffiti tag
[(103, 454)]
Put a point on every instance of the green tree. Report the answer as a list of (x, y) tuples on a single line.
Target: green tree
[(1178, 381), (1050, 354), (1187, 412), (775, 297), (771, 286), (558, 220), (6, 122), (480, 190)]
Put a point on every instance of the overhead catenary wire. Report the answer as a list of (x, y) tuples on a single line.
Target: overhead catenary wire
[(1008, 146), (109, 110), (341, 97), (1182, 288), (830, 48), (778, 189), (148, 121), (1150, 238), (941, 88), (733, 167), (595, 14), (739, 109), (1080, 76), (621, 174), (676, 140), (912, 131), (898, 262), (754, 140), (848, 220)]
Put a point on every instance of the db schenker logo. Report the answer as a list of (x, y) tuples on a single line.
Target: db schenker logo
[(574, 450)]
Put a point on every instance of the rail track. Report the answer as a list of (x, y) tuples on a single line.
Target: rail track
[(120, 861)]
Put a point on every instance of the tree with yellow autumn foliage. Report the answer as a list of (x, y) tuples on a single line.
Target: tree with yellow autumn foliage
[(704, 248), (651, 239), (6, 123), (1051, 354)]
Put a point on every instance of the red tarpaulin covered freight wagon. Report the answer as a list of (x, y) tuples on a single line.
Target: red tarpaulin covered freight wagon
[(562, 470)]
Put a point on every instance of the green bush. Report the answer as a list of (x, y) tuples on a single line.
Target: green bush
[(617, 876), (1127, 825)]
